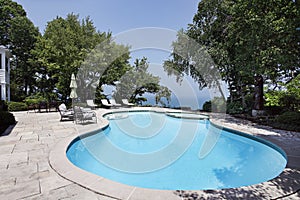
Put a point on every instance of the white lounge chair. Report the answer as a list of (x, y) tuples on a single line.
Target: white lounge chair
[(82, 115), (105, 103), (126, 103), (114, 103), (90, 103), (65, 113)]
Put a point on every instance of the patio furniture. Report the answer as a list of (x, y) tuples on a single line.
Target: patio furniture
[(82, 115), (90, 103), (43, 105), (65, 113), (114, 103), (106, 103), (53, 105), (32, 106), (126, 103)]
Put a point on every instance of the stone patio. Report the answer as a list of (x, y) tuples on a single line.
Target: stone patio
[(26, 173)]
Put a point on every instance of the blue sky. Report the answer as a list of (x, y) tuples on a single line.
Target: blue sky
[(115, 15)]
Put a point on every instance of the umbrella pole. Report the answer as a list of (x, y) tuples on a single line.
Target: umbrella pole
[(73, 110)]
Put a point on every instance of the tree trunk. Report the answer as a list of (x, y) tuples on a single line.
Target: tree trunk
[(259, 93)]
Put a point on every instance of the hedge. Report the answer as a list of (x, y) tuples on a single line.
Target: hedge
[(7, 118), (16, 106)]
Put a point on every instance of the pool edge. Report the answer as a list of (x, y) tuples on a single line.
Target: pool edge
[(95, 183)]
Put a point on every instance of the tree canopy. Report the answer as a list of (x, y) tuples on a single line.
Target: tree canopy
[(104, 65), (137, 81), (245, 39), (18, 34), (61, 51), (8, 11)]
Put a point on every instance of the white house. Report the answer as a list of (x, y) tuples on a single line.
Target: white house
[(5, 56)]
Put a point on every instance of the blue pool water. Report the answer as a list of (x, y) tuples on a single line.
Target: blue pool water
[(153, 150)]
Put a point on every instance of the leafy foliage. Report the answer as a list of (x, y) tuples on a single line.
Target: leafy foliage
[(19, 34), (244, 39), (288, 97), (61, 51), (234, 108), (23, 35), (104, 65), (8, 11), (6, 118), (137, 81), (17, 106), (207, 106), (3, 105), (288, 121), (163, 94)]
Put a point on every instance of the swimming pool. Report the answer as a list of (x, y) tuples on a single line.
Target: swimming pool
[(158, 151)]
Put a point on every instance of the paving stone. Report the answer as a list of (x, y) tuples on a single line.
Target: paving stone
[(21, 190), (9, 182), (43, 166), (76, 192), (23, 134), (58, 193), (37, 155), (23, 146), (52, 182), (18, 158), (31, 137), (6, 148), (4, 161), (147, 194)]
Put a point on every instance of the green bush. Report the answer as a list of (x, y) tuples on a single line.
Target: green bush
[(287, 121), (31, 100), (289, 118), (6, 118), (234, 108), (218, 104), (290, 101), (274, 110), (207, 106), (16, 106), (3, 105)]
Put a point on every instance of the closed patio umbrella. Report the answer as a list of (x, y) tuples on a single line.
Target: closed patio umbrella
[(73, 86)]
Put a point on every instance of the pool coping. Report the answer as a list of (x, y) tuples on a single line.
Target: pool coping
[(61, 165)]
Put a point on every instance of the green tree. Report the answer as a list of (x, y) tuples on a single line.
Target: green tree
[(61, 51), (137, 81), (19, 34), (8, 11), (104, 65), (23, 35), (288, 96), (244, 39), (163, 93)]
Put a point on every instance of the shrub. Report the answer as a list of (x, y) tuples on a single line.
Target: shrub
[(290, 101), (274, 110), (288, 121), (207, 106), (3, 105), (6, 118), (272, 98), (31, 100), (16, 106), (289, 118), (234, 108)]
